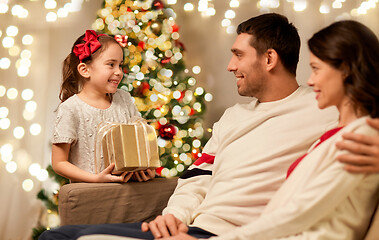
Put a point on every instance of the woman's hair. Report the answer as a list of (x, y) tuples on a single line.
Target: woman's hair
[(353, 48), (72, 81)]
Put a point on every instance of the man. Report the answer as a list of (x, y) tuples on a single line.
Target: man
[(245, 161)]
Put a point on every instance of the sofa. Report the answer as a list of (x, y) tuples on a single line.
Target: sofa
[(96, 203)]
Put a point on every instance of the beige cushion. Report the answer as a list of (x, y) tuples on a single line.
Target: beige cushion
[(97, 203)]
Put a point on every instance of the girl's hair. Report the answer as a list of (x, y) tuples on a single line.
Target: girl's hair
[(354, 49), (72, 81)]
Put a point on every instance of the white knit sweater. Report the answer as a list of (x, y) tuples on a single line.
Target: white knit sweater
[(320, 200), (253, 146)]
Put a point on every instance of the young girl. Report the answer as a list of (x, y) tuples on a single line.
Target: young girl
[(89, 95)]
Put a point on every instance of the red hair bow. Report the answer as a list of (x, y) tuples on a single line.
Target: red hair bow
[(84, 50), (122, 40)]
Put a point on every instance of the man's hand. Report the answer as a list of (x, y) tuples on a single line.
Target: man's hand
[(364, 151), (165, 226), (180, 236)]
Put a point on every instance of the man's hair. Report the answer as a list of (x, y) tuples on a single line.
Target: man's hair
[(273, 31)]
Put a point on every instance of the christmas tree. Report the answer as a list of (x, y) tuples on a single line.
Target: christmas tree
[(157, 78)]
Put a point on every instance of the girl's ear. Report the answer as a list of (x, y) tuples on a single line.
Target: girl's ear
[(83, 70)]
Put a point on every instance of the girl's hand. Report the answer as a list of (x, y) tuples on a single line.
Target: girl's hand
[(143, 176), (107, 176)]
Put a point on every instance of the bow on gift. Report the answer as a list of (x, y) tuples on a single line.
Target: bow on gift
[(84, 50), (122, 40)]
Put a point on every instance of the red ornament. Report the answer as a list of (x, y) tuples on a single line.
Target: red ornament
[(157, 5), (141, 90), (166, 60), (141, 44), (167, 131), (122, 40), (181, 96), (180, 45), (159, 171), (175, 28), (195, 154)]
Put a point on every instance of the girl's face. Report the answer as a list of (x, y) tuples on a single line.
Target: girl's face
[(105, 70), (327, 83)]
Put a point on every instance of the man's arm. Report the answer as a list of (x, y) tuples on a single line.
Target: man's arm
[(188, 195), (364, 151)]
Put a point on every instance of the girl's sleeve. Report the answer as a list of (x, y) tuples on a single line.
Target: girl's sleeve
[(194, 183), (65, 126), (321, 196)]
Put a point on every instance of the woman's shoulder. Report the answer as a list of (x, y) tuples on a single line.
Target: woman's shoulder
[(361, 126)]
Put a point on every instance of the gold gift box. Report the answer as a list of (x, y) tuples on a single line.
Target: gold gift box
[(132, 147)]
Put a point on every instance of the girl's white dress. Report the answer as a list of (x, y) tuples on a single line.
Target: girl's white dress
[(76, 123)]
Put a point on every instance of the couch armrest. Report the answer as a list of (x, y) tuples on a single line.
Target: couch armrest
[(373, 231), (97, 203)]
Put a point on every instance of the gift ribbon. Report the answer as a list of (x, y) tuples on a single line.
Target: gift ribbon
[(147, 145), (105, 127)]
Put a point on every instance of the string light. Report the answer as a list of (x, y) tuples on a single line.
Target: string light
[(364, 7), (299, 5), (188, 7), (324, 8)]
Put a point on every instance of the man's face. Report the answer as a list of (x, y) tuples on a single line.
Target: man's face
[(247, 67)]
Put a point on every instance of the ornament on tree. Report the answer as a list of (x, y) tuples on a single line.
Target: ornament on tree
[(122, 40), (159, 171), (157, 5), (141, 90), (167, 131), (195, 154), (156, 27)]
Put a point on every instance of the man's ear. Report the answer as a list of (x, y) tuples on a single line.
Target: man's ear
[(271, 59), (83, 70)]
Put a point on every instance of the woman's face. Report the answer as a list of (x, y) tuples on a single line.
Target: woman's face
[(327, 83)]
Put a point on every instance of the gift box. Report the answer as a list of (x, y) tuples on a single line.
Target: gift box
[(132, 147)]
